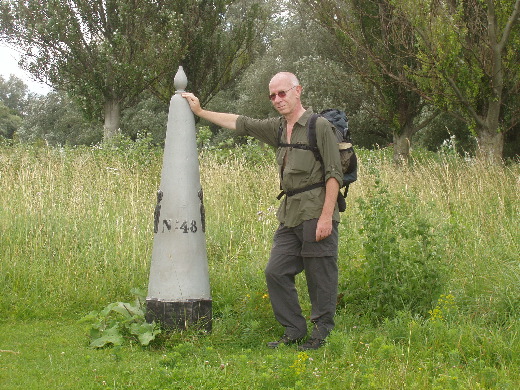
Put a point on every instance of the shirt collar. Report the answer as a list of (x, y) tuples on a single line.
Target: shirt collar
[(305, 117), (302, 121)]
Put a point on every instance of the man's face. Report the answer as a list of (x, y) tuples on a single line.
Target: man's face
[(286, 104)]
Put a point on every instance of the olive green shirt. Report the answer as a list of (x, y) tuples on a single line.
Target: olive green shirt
[(301, 167)]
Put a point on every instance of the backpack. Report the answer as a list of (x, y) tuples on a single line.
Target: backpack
[(346, 150)]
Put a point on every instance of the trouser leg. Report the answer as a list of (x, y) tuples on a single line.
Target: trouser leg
[(280, 277), (295, 249), (322, 282)]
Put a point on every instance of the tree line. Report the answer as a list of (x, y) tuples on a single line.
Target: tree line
[(408, 73)]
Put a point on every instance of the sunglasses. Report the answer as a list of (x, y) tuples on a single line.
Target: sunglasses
[(280, 94)]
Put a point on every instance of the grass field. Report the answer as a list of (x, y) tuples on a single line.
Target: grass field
[(429, 274)]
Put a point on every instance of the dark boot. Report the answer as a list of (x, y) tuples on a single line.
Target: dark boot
[(312, 343), (284, 340)]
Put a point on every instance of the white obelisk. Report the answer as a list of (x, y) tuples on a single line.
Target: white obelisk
[(178, 289)]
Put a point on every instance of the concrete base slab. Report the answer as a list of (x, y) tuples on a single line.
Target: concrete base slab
[(180, 315)]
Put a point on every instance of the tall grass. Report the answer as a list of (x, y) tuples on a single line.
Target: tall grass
[(76, 224), (76, 231), (479, 208), (75, 228)]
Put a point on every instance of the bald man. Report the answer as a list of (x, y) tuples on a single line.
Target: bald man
[(307, 237)]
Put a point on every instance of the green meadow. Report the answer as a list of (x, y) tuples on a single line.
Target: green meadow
[(429, 274)]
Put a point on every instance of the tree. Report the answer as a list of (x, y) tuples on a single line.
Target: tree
[(106, 52), (377, 44), (13, 103), (220, 45), (9, 122), (58, 120), (148, 116), (14, 94), (470, 63)]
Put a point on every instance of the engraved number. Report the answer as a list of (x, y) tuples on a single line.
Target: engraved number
[(189, 228)]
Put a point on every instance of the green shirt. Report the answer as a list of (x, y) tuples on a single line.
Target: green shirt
[(301, 168)]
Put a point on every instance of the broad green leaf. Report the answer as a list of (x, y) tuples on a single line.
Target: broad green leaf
[(109, 336), (145, 332)]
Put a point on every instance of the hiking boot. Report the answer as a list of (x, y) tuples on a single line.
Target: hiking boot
[(312, 343), (286, 340)]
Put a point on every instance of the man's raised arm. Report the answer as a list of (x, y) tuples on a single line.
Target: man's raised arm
[(229, 121)]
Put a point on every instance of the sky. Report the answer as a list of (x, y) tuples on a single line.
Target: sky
[(9, 65)]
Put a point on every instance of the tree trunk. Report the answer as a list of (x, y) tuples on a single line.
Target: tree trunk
[(112, 118), (490, 146), (402, 144)]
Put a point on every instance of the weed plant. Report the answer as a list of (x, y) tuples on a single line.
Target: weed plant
[(429, 268), (402, 267)]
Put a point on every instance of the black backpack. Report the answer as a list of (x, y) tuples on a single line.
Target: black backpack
[(346, 150)]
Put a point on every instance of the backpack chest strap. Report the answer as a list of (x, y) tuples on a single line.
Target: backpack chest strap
[(300, 190)]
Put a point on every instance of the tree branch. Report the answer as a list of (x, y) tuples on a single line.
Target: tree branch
[(427, 121), (463, 100), (513, 18)]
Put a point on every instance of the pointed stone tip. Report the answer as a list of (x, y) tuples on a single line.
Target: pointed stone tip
[(180, 81)]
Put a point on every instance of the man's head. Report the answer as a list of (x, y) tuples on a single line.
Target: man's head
[(285, 91)]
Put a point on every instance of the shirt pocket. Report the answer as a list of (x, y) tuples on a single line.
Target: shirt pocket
[(309, 230), (299, 161)]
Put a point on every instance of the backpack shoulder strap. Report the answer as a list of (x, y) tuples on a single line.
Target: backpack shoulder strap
[(311, 130), (280, 131), (311, 136)]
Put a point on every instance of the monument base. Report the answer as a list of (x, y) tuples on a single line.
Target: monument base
[(180, 315)]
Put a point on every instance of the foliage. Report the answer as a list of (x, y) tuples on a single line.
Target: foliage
[(9, 122), (149, 115), (378, 45), (58, 120), (307, 50), (142, 151), (13, 102), (100, 53), (222, 38), (299, 45), (456, 56), (119, 321), (367, 130), (334, 67), (14, 94), (469, 63), (251, 151), (402, 268), (512, 143), (446, 128)]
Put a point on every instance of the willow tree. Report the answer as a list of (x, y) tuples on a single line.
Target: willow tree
[(470, 63), (220, 45), (106, 52), (377, 43)]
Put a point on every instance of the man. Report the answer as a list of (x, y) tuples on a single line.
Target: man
[(307, 238)]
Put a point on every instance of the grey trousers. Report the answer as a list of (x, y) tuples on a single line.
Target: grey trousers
[(296, 250)]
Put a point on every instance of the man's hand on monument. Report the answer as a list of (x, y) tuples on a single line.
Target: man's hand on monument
[(193, 101), (229, 121)]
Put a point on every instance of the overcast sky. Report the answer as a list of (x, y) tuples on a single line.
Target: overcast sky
[(9, 65)]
